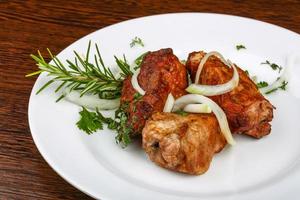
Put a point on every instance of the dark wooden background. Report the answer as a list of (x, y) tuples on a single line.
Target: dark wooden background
[(26, 26)]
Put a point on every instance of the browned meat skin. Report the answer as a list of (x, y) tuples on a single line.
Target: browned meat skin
[(161, 73), (247, 111), (183, 143)]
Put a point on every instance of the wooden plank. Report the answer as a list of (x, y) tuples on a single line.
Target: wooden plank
[(26, 26)]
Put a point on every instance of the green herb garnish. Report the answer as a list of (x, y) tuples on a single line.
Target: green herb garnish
[(246, 72), (136, 41), (181, 112), (240, 46), (137, 96), (123, 129), (82, 75), (262, 84), (271, 91), (90, 122), (282, 87), (272, 65), (86, 77), (138, 61)]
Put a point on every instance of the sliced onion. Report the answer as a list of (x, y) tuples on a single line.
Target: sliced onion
[(135, 83), (203, 61), (92, 101), (211, 90), (197, 108), (181, 102), (169, 103)]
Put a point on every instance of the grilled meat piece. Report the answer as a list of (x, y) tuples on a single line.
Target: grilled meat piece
[(183, 143), (161, 73), (247, 111)]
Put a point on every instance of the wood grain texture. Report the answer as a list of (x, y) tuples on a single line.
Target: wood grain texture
[(26, 26)]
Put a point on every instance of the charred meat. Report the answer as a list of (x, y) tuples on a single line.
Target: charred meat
[(247, 111), (160, 73), (183, 143)]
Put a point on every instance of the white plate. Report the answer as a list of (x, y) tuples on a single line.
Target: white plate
[(253, 169)]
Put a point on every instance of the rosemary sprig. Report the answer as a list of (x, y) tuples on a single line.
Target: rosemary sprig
[(92, 78), (138, 61), (82, 75)]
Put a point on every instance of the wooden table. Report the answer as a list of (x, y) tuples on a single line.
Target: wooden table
[(26, 26)]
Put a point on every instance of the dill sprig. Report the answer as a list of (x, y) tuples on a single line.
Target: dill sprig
[(282, 87), (124, 130), (82, 75), (274, 66), (136, 41)]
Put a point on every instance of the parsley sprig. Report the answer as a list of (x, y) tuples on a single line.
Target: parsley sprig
[(91, 122), (262, 84), (83, 75), (240, 46)]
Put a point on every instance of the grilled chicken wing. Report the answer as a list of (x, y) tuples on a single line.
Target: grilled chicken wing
[(247, 110), (182, 143), (161, 73)]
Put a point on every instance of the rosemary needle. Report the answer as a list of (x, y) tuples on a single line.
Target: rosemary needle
[(83, 75)]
